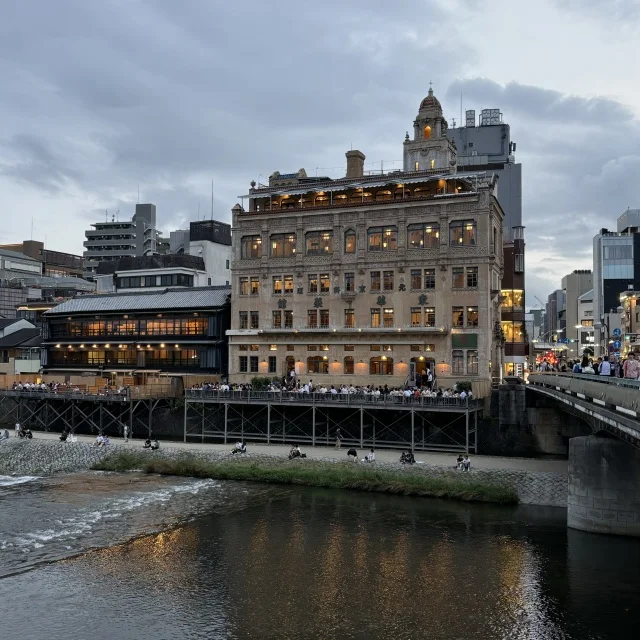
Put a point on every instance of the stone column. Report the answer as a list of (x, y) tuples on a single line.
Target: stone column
[(604, 486)]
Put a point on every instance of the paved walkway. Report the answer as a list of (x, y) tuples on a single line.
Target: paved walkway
[(385, 455)]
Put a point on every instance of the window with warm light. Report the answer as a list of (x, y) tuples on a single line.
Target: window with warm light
[(273, 347), (325, 283), (277, 285), (276, 319), (512, 299), (433, 164), (387, 318), (457, 362), (457, 316), (462, 233), (255, 286), (416, 279), (375, 318), (426, 132), (382, 238), (350, 241), (317, 364), (313, 283), (312, 319), (244, 286), (375, 281), (283, 245), (424, 236), (387, 280), (381, 366), (429, 316), (416, 316), (250, 247), (472, 316), (288, 284), (319, 243), (457, 277), (348, 364), (349, 318)]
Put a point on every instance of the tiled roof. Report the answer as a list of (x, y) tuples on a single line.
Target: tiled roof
[(193, 298), (22, 338), (5, 322)]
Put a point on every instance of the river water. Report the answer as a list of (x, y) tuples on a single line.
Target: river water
[(124, 556)]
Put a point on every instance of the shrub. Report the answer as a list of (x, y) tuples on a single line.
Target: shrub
[(463, 385), (259, 383)]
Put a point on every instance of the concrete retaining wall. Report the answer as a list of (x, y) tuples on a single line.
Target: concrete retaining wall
[(45, 457)]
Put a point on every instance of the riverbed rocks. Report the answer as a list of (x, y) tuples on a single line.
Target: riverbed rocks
[(46, 457)]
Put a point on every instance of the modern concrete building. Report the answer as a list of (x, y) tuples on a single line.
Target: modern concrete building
[(54, 263), (554, 324), (616, 269), (371, 279), (210, 240), (115, 239), (19, 351), (574, 285), (585, 320), (487, 146)]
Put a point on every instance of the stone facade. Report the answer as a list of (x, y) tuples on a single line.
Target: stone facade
[(355, 283)]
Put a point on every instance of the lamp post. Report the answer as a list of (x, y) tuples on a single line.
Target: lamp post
[(578, 339)]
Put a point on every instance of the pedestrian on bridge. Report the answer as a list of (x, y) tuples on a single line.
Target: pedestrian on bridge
[(605, 367), (631, 368)]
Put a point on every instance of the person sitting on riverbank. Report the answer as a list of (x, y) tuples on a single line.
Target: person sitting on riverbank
[(4, 435), (105, 441), (156, 445), (459, 461), (370, 457), (407, 457), (99, 441), (240, 447), (352, 455), (65, 434), (147, 444), (466, 463), (295, 452)]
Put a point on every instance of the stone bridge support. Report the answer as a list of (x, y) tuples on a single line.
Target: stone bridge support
[(604, 486)]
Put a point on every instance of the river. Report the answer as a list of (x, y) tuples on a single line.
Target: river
[(131, 557)]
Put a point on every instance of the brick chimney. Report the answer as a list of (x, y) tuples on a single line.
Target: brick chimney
[(355, 163)]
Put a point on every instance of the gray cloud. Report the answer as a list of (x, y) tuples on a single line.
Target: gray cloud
[(102, 97)]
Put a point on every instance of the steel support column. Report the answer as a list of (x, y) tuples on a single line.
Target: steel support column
[(268, 423), (362, 427), (313, 426), (475, 413), (413, 413), (186, 404), (466, 428), (226, 418)]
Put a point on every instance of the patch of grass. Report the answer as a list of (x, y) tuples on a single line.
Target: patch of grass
[(314, 473)]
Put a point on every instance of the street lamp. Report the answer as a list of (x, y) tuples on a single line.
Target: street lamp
[(578, 338)]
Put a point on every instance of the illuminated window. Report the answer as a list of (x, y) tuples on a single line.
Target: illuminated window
[(427, 133), (433, 164), (324, 283), (387, 281), (283, 245), (244, 286), (382, 238), (462, 233), (416, 279), (276, 319), (313, 283), (472, 277), (416, 316), (319, 243), (350, 241), (317, 364), (273, 347), (457, 316), (417, 166), (375, 281), (375, 318), (472, 316), (457, 362), (429, 316), (472, 362), (381, 366), (349, 318), (277, 285), (250, 247), (255, 286), (424, 235), (288, 284), (387, 317), (349, 347)]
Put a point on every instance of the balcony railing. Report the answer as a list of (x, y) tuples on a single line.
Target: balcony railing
[(356, 399), (342, 328)]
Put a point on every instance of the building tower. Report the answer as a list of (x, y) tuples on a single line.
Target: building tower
[(430, 148)]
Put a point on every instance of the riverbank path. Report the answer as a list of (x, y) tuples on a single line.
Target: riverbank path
[(384, 455)]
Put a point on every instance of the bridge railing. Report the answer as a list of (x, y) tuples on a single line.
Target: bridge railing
[(349, 399), (40, 394), (592, 377)]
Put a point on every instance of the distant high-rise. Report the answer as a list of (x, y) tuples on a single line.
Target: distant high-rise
[(488, 146), (115, 239)]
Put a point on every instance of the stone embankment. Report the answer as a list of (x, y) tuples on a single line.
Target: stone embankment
[(46, 457)]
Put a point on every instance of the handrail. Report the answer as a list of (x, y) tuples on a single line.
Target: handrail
[(331, 398), (591, 377)]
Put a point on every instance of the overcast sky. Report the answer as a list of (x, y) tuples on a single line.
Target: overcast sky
[(102, 98)]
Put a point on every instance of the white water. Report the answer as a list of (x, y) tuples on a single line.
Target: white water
[(9, 481)]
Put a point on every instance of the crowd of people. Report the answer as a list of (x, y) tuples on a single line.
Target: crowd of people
[(65, 387), (613, 367), (368, 391)]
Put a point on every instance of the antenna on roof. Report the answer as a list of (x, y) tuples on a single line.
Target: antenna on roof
[(32, 227), (212, 199)]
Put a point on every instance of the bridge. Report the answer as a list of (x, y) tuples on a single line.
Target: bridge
[(604, 468)]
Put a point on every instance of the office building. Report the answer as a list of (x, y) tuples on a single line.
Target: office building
[(54, 263), (19, 351), (487, 146), (210, 240), (115, 239), (371, 279), (574, 285)]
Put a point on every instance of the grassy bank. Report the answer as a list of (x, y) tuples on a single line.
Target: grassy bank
[(314, 473)]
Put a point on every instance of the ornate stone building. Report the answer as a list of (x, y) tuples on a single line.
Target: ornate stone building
[(371, 279)]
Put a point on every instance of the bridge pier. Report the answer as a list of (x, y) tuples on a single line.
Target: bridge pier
[(604, 486)]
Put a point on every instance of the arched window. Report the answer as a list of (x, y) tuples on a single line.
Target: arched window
[(381, 366), (290, 363), (427, 132), (317, 364), (383, 194), (348, 364), (350, 241)]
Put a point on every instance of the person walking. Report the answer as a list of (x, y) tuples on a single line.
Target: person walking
[(126, 433), (605, 367), (631, 368), (17, 429), (338, 439)]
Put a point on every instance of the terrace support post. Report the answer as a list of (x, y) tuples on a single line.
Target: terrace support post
[(100, 414), (226, 418), (150, 417), (361, 427), (202, 406), (374, 431), (73, 416), (242, 422), (268, 422), (130, 416), (475, 429), (466, 426), (413, 414), (185, 418), (313, 426)]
